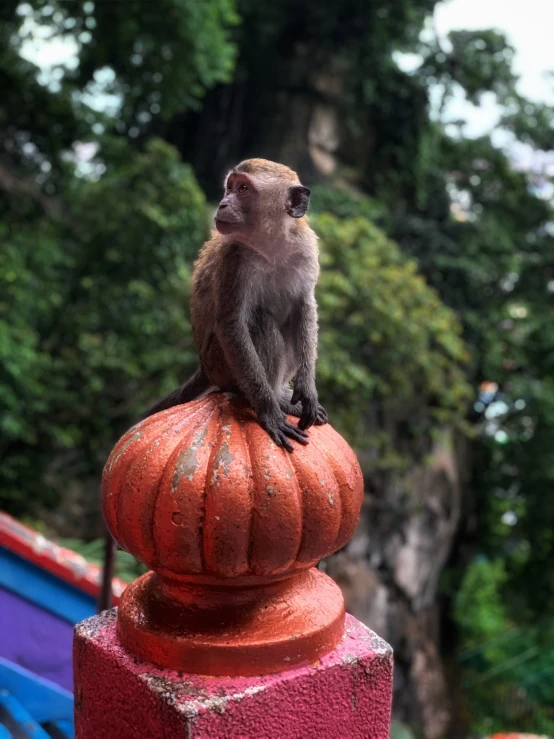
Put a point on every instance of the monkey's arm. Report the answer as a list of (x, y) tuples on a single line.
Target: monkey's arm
[(240, 353), (304, 384)]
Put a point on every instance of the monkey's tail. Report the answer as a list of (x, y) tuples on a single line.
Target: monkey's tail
[(193, 388)]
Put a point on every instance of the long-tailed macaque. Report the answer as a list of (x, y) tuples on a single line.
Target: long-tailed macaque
[(253, 309)]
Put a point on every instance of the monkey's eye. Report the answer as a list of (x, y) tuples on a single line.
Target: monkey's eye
[(242, 188)]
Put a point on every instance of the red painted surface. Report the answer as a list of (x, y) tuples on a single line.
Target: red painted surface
[(202, 489), (59, 561), (345, 695), (232, 525), (230, 630)]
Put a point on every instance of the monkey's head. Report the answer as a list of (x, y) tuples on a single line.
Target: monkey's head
[(260, 196)]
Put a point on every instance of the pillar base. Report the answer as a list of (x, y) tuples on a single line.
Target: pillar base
[(347, 693), (222, 629)]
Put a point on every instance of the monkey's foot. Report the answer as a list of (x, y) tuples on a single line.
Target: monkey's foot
[(296, 410)]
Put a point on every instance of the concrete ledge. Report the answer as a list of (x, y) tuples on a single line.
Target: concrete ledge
[(346, 695)]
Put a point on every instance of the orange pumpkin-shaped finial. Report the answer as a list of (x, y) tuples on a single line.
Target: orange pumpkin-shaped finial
[(231, 525)]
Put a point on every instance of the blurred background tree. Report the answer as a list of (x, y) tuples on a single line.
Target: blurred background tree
[(437, 280)]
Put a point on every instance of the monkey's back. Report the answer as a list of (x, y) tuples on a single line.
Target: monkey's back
[(206, 306), (275, 291), (203, 301)]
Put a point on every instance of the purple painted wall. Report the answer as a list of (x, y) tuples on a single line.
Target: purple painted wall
[(35, 639)]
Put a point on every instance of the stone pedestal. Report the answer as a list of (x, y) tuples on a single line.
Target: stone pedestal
[(234, 633), (344, 695), (231, 527)]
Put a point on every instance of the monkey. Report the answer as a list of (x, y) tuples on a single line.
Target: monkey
[(253, 307)]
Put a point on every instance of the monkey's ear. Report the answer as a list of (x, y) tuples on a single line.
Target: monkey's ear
[(297, 203)]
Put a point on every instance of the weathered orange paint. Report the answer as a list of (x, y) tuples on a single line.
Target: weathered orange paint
[(232, 526)]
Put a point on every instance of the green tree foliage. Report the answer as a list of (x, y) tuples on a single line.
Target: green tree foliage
[(493, 264), (477, 61), (96, 252), (385, 335), (506, 667), (488, 249), (138, 54), (91, 307)]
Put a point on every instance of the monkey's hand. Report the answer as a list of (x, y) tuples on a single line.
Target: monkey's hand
[(277, 426), (296, 410), (306, 394)]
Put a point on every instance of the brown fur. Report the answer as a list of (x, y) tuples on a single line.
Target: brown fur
[(253, 310), (265, 167)]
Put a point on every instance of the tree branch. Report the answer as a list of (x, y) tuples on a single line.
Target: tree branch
[(13, 185)]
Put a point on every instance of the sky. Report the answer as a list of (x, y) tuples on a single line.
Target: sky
[(529, 27), (528, 24)]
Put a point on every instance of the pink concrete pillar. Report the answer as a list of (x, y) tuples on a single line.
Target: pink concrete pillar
[(344, 695), (234, 632)]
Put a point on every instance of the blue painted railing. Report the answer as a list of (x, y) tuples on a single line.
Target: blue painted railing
[(32, 707)]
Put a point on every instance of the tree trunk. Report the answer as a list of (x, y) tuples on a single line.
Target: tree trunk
[(294, 121), (390, 573)]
